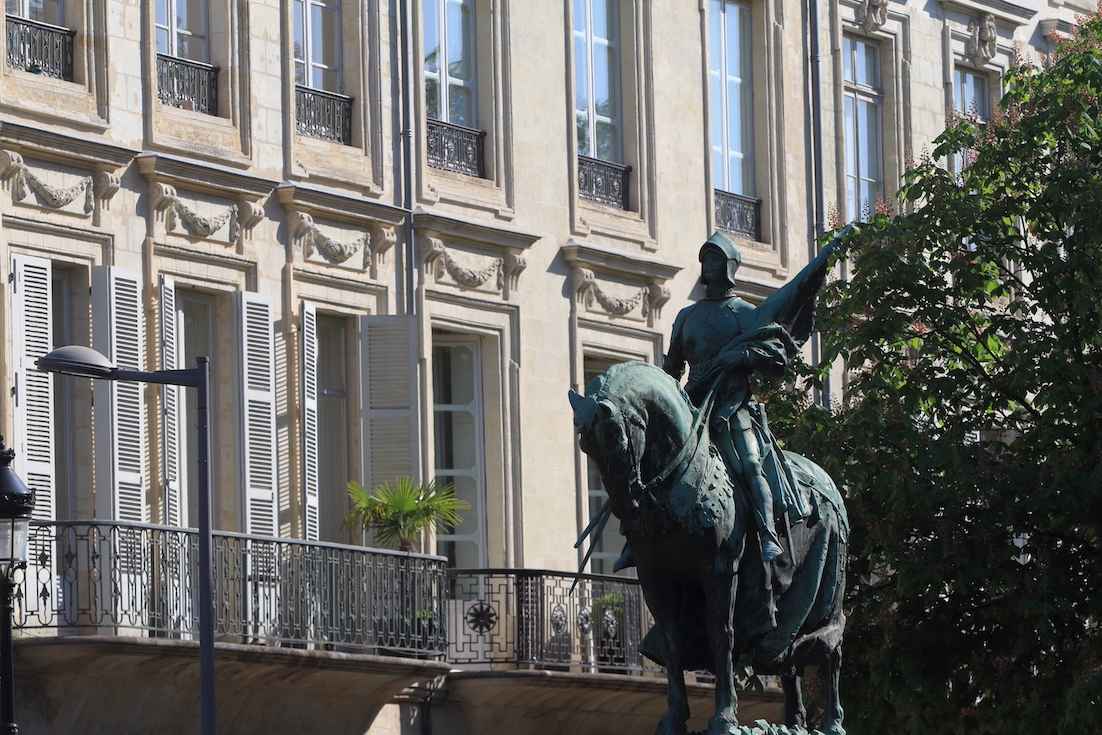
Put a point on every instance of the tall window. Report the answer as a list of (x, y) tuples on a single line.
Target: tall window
[(730, 90), (449, 45), (46, 11), (182, 29), (863, 132), (458, 448), (318, 44), (333, 425), (597, 79), (970, 97)]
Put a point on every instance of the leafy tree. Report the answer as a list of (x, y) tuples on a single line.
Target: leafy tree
[(969, 440), (398, 512)]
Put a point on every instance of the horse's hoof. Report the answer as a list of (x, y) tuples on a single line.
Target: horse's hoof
[(720, 725)]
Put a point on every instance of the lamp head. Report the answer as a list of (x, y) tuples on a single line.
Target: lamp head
[(83, 362), (16, 505)]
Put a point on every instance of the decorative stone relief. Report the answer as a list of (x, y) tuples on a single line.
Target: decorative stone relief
[(383, 239), (872, 14), (312, 240), (617, 285), (509, 278), (174, 212), (983, 38), (439, 261), (23, 181), (589, 291)]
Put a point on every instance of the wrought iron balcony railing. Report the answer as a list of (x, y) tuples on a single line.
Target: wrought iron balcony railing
[(456, 148), (40, 48), (528, 617), (187, 84), (325, 115), (604, 181), (738, 214), (91, 577)]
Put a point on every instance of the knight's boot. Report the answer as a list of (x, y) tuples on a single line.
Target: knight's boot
[(763, 514), (626, 559)]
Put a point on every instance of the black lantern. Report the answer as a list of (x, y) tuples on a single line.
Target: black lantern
[(16, 504)]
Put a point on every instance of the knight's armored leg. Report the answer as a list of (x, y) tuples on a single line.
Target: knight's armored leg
[(747, 447)]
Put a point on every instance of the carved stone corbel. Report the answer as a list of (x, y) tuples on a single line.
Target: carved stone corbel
[(383, 239), (657, 296), (249, 214), (872, 14), (983, 38), (513, 264)]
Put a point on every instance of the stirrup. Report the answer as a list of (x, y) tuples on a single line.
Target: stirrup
[(626, 560)]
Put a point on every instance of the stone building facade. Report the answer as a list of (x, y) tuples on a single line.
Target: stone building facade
[(227, 178)]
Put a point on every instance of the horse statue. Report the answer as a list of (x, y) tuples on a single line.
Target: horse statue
[(694, 542)]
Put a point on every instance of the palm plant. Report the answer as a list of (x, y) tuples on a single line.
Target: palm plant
[(398, 512)]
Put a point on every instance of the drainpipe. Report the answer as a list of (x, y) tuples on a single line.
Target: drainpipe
[(817, 163)]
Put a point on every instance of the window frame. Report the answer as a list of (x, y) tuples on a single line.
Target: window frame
[(23, 10), (614, 44), (174, 31), (443, 98), (860, 92), (307, 60), (476, 409), (717, 65)]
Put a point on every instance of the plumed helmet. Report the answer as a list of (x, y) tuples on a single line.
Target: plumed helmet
[(726, 247)]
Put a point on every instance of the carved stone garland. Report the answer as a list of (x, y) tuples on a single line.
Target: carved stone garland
[(24, 181), (439, 261), (649, 299), (313, 240), (241, 216)]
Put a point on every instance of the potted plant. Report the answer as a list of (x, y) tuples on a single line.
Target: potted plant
[(399, 513)]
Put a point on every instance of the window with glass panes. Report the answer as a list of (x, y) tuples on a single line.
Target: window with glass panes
[(730, 90), (449, 61), (970, 97), (863, 126), (318, 44), (181, 27), (458, 443), (45, 11), (597, 78)]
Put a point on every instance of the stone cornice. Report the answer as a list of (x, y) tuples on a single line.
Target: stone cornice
[(1003, 10), (45, 144), (217, 180), (617, 261), (453, 228), (331, 205)]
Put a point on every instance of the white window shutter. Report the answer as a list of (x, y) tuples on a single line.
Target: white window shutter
[(33, 413), (389, 373), (119, 333), (258, 413), (175, 513), (310, 420)]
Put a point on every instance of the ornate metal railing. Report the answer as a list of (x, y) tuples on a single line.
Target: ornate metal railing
[(529, 618), (738, 214), (604, 181), (321, 114), (187, 84), (40, 48), (456, 148), (88, 577)]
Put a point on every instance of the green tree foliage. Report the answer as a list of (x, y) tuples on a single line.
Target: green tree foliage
[(398, 512), (971, 324)]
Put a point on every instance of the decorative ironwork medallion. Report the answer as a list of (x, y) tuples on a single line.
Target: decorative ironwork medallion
[(558, 619), (609, 622), (585, 620), (481, 618)]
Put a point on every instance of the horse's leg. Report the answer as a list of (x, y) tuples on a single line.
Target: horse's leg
[(665, 605), (720, 594), (795, 715), (832, 723)]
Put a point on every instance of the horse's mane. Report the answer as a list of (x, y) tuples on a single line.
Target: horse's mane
[(630, 384)]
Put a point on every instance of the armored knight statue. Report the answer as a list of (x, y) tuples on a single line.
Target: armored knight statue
[(740, 545)]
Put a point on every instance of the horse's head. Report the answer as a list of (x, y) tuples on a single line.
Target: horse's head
[(627, 421)]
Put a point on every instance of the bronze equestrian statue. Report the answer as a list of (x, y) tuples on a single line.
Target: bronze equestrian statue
[(740, 546)]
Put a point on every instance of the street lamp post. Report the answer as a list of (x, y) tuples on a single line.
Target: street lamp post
[(16, 504), (85, 362)]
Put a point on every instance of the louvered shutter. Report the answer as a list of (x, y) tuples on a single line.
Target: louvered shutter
[(258, 429), (175, 513), (388, 363), (119, 333), (33, 414), (310, 419)]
